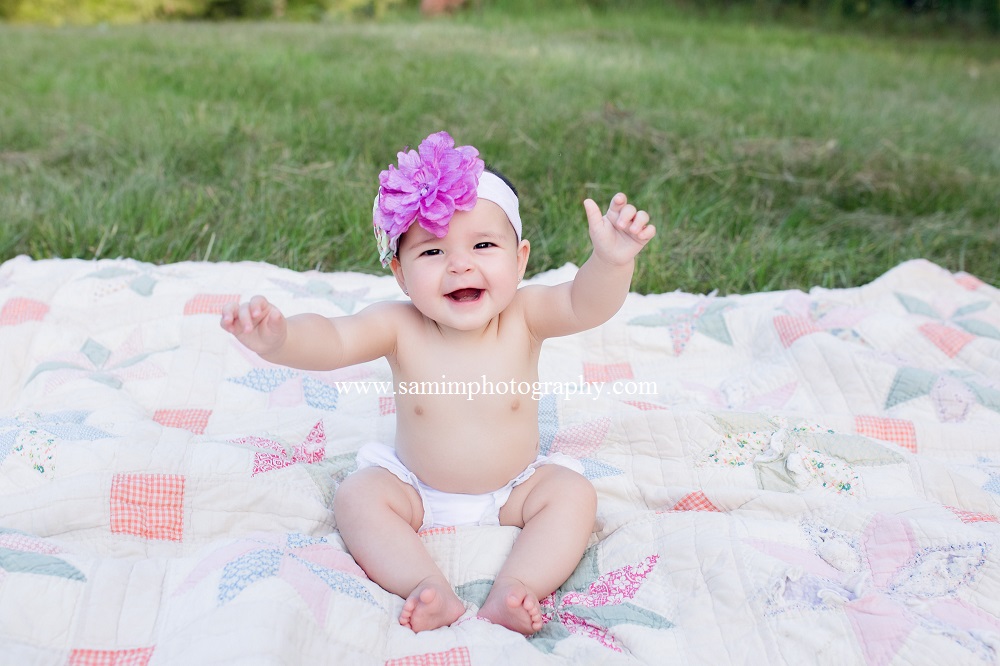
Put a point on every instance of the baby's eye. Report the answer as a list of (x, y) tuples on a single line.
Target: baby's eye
[(430, 253), (484, 245)]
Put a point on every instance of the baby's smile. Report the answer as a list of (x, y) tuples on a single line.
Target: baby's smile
[(465, 295)]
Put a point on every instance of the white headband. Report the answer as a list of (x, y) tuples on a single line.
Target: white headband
[(491, 187)]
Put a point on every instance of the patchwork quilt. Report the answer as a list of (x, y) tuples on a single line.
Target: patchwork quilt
[(783, 478)]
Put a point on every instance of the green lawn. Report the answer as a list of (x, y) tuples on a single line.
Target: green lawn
[(769, 157)]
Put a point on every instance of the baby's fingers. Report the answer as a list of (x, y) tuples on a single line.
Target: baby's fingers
[(228, 316), (594, 216), (247, 316), (640, 228), (616, 209)]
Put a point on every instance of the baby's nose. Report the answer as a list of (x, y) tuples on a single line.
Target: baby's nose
[(459, 262)]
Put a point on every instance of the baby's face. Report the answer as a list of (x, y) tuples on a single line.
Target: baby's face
[(467, 278)]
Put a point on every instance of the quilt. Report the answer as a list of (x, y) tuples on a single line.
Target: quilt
[(783, 478)]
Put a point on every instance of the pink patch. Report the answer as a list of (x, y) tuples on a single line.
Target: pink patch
[(961, 614), (775, 399), (330, 558), (194, 420), (842, 317), (792, 328), (644, 406), (594, 373), (581, 440), (298, 575), (900, 431), (458, 656), (797, 304), (947, 339), (881, 626), (310, 451), (19, 310), (973, 516), (580, 626), (680, 335), (386, 405), (887, 544), (436, 531), (614, 587), (799, 557), (150, 506), (208, 303), (27, 544), (970, 282), (289, 394), (696, 501), (134, 657)]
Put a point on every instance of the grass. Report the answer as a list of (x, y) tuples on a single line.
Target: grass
[(769, 157)]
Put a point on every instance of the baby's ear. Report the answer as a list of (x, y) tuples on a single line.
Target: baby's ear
[(523, 250), (397, 271)]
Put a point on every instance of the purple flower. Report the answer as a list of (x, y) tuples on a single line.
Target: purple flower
[(428, 186)]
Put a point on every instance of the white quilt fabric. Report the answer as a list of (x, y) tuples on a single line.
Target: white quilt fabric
[(783, 478)]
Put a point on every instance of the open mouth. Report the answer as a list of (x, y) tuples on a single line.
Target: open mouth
[(465, 295)]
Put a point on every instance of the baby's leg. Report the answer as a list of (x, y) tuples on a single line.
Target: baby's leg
[(378, 516), (555, 509)]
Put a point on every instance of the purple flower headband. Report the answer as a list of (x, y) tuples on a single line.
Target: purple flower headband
[(429, 186)]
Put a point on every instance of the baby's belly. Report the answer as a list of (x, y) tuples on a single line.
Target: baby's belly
[(466, 450)]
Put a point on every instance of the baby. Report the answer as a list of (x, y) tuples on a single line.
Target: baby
[(456, 461)]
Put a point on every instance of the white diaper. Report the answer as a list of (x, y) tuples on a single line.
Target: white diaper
[(443, 509)]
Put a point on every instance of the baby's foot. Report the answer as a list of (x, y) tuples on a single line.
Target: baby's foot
[(514, 606), (431, 604)]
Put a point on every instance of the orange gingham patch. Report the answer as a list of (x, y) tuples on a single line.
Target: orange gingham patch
[(458, 656), (148, 505), (436, 531), (792, 328), (195, 420), (19, 310), (594, 373), (135, 657), (947, 339), (386, 405), (973, 516), (899, 431), (696, 501), (208, 303)]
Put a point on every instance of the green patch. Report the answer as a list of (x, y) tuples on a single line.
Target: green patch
[(39, 564)]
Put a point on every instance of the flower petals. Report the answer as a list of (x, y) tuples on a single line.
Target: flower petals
[(428, 186)]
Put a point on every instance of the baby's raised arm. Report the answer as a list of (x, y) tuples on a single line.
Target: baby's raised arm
[(602, 283), (312, 341)]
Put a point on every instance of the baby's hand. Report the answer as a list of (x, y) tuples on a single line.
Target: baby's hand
[(259, 325), (620, 233)]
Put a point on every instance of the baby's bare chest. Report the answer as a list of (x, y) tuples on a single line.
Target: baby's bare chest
[(497, 360)]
